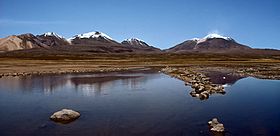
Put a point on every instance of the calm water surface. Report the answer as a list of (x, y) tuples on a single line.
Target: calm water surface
[(136, 103)]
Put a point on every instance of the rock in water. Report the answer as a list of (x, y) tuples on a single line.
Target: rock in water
[(65, 116), (216, 126)]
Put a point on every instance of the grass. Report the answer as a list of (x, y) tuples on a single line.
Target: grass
[(29, 62)]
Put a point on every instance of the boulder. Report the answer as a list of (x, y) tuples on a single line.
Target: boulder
[(213, 122), (206, 94), (193, 93), (206, 79), (218, 128), (187, 83), (203, 96), (195, 86), (65, 116), (215, 126), (201, 88)]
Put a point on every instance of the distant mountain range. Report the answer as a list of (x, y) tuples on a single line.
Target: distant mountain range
[(98, 42), (88, 42)]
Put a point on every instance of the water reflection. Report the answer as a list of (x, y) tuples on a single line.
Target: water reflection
[(46, 83), (96, 84), (87, 84), (223, 78)]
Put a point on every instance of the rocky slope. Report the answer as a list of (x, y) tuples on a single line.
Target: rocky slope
[(24, 41)]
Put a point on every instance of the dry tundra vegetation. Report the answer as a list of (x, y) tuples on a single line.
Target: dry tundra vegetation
[(20, 63)]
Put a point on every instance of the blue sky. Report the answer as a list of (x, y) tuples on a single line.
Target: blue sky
[(160, 23)]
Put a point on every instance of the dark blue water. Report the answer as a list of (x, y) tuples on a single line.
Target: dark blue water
[(137, 103)]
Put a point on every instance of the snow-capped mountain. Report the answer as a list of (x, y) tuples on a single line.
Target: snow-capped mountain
[(211, 36), (217, 36), (209, 43), (52, 34), (135, 42), (93, 35), (52, 39), (93, 39)]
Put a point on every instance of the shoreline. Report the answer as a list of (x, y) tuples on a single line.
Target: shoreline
[(254, 67), (243, 72), (77, 71)]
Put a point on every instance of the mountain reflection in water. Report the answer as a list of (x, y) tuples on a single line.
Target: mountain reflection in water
[(88, 84), (96, 84), (93, 84), (223, 78)]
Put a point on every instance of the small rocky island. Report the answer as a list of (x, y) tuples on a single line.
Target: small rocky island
[(65, 116)]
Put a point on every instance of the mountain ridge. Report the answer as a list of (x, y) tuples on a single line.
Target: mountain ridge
[(98, 42)]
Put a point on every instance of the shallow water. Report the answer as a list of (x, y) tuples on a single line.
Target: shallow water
[(136, 103)]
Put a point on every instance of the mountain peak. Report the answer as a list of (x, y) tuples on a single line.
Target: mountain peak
[(217, 36), (211, 36), (135, 42), (52, 34), (94, 34)]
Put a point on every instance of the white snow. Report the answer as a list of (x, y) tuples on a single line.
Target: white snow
[(91, 35), (195, 39), (214, 35), (52, 34), (133, 40), (211, 36)]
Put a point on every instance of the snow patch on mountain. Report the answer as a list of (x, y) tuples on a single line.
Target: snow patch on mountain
[(211, 36), (133, 41), (52, 34), (214, 35), (91, 35)]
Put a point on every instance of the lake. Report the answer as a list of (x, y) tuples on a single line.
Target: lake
[(139, 103)]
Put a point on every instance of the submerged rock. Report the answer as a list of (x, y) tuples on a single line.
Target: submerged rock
[(216, 126), (65, 116)]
